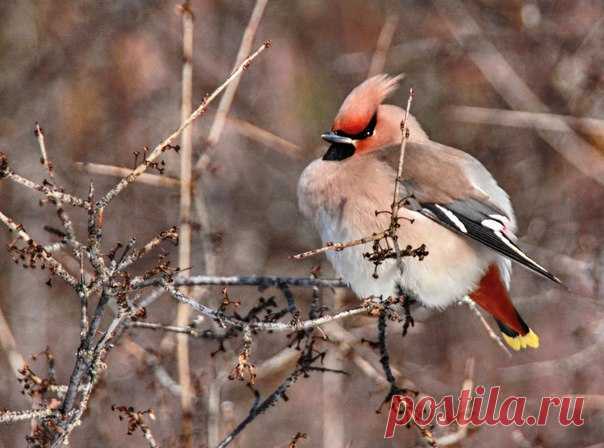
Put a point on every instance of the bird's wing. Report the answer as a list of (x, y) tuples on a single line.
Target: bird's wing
[(483, 224), (456, 190), (440, 173)]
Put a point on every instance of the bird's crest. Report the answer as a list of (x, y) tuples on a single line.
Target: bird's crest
[(361, 104)]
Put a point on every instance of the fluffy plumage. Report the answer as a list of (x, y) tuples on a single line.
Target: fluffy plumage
[(341, 198), (458, 211)]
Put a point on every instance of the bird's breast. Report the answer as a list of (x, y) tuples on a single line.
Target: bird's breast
[(347, 191), (341, 199)]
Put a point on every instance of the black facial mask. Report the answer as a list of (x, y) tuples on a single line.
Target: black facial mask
[(367, 132), (339, 151)]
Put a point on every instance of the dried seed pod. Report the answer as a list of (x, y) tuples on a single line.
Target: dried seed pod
[(3, 165)]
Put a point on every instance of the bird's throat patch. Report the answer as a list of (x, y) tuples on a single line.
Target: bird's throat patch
[(339, 151)]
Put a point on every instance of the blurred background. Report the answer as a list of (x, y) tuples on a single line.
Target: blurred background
[(103, 80)]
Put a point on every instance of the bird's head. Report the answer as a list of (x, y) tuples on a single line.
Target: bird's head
[(363, 124)]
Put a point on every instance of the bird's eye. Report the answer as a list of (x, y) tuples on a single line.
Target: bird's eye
[(365, 133)]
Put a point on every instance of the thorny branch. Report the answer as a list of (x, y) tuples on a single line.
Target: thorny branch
[(262, 282), (203, 210), (265, 325), (110, 279), (32, 254), (310, 360), (425, 432), (118, 292), (135, 420)]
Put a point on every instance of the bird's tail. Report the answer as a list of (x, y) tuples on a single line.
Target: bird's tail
[(518, 340), (492, 295)]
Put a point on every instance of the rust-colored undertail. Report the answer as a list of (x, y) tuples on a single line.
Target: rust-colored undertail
[(492, 295)]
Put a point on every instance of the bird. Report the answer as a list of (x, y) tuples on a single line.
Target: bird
[(453, 206)]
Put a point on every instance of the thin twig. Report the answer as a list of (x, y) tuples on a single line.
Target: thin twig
[(396, 202), (54, 266), (171, 234), (62, 214), (119, 171), (191, 331), (8, 344), (462, 431), (333, 388), (261, 407), (504, 79), (378, 60), (340, 246), (43, 153), (50, 192), (265, 326), (262, 281), (19, 416), (227, 99), (162, 146), (523, 119), (266, 138), (201, 205), (494, 336), (425, 432), (184, 239), (306, 364)]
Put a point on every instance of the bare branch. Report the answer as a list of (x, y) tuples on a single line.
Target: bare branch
[(266, 138), (43, 154), (425, 432), (19, 416), (494, 336), (185, 230), (261, 281), (340, 246), (7, 342), (51, 193), (266, 326), (171, 234), (119, 171), (191, 331), (462, 431), (229, 94), (522, 119), (378, 60), (504, 79), (37, 251), (164, 145), (396, 202)]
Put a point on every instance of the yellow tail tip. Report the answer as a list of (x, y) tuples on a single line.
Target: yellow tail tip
[(521, 342)]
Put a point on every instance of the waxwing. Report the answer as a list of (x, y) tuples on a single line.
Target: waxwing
[(454, 206)]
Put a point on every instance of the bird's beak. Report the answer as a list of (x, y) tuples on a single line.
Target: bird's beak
[(330, 137)]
